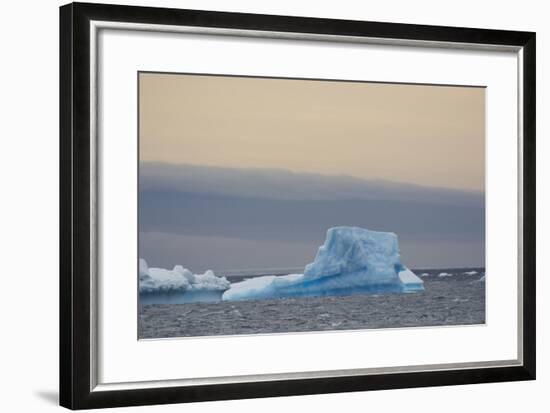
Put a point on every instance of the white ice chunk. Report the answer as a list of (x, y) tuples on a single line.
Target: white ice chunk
[(179, 279), (161, 280), (410, 281), (209, 281)]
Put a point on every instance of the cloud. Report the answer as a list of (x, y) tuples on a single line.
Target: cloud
[(276, 209), (287, 185)]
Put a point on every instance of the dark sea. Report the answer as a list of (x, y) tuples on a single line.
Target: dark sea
[(451, 296)]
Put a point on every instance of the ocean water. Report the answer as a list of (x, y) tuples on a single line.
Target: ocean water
[(450, 297)]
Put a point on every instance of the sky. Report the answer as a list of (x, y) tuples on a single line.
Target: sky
[(249, 173), (366, 130)]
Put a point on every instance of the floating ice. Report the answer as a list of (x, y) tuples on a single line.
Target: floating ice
[(444, 274), (470, 273), (410, 281), (159, 285), (352, 260)]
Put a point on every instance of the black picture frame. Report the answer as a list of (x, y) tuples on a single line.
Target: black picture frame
[(75, 219)]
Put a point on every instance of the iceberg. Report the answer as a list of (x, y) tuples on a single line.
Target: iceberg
[(351, 261), (179, 285)]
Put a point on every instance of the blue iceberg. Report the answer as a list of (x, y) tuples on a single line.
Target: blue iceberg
[(351, 261), (179, 285)]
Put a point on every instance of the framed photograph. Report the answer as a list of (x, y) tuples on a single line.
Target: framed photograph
[(257, 205)]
